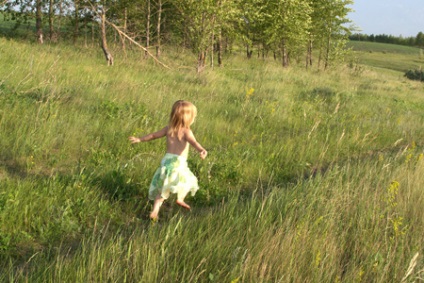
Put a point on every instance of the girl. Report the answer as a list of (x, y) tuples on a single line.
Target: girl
[(173, 175)]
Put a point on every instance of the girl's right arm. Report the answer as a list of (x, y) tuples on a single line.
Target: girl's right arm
[(149, 137)]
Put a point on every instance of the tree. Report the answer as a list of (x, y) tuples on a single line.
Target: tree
[(227, 18), (22, 10), (158, 30), (39, 20), (251, 28), (198, 19), (76, 19), (148, 25), (329, 32), (100, 9), (419, 40), (202, 21), (288, 26), (51, 15)]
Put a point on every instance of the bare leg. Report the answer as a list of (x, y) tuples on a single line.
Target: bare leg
[(183, 204), (156, 207)]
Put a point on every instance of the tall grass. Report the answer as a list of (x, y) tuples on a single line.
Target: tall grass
[(311, 176)]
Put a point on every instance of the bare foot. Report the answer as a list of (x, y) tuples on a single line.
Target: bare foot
[(183, 204), (154, 216)]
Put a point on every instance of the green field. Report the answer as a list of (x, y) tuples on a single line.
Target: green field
[(387, 56), (311, 176)]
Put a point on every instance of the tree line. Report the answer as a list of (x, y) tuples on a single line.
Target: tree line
[(415, 41), (308, 31)]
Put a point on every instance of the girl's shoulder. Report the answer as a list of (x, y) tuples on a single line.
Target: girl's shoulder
[(164, 130), (187, 131)]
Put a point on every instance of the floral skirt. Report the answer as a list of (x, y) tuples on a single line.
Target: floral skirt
[(173, 177)]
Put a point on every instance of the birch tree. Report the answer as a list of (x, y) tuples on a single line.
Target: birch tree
[(251, 28), (288, 24), (203, 21), (329, 33), (198, 19)]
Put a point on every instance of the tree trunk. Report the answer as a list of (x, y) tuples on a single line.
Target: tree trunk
[(327, 52), (309, 54), (212, 48), (148, 27), (39, 22), (284, 54), (201, 61), (76, 19), (158, 47), (51, 31), (248, 52), (108, 55), (85, 33), (320, 57), (136, 43), (124, 30), (220, 48), (59, 21), (92, 34), (212, 41)]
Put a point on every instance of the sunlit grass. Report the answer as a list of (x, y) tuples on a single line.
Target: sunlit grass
[(311, 176)]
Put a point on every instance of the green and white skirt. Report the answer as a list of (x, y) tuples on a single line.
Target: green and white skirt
[(173, 177)]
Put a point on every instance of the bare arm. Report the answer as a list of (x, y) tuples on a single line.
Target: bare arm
[(159, 134), (192, 140)]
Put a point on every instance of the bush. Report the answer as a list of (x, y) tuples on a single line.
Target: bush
[(416, 75)]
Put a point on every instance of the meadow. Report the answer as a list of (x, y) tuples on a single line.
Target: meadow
[(387, 56), (311, 176)]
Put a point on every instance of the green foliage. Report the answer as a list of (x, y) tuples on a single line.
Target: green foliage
[(287, 29), (416, 41)]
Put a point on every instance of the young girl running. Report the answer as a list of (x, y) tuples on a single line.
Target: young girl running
[(173, 175)]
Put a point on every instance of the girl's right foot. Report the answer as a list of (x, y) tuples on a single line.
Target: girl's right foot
[(154, 217)]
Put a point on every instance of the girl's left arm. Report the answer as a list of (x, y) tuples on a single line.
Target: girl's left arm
[(192, 140), (159, 134)]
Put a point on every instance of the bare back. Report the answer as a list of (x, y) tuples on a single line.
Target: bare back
[(181, 146), (176, 146)]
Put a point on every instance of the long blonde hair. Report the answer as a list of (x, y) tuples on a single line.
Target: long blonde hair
[(182, 116)]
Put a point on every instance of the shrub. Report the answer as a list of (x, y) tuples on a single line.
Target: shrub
[(416, 75)]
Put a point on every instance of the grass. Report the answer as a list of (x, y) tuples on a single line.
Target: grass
[(311, 176), (387, 56), (371, 47)]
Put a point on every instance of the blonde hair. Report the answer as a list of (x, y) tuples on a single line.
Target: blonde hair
[(182, 116)]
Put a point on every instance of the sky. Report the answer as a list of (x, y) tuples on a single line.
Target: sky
[(391, 17)]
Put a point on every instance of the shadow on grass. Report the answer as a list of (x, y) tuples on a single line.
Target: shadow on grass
[(116, 185), (13, 168)]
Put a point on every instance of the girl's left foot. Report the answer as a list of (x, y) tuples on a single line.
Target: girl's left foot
[(183, 204)]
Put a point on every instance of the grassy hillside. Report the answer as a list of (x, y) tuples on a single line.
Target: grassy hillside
[(387, 56), (311, 176)]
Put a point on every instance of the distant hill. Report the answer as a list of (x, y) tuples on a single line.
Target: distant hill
[(383, 47), (389, 56)]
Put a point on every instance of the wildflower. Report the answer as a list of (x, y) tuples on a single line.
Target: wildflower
[(392, 192), (249, 92)]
